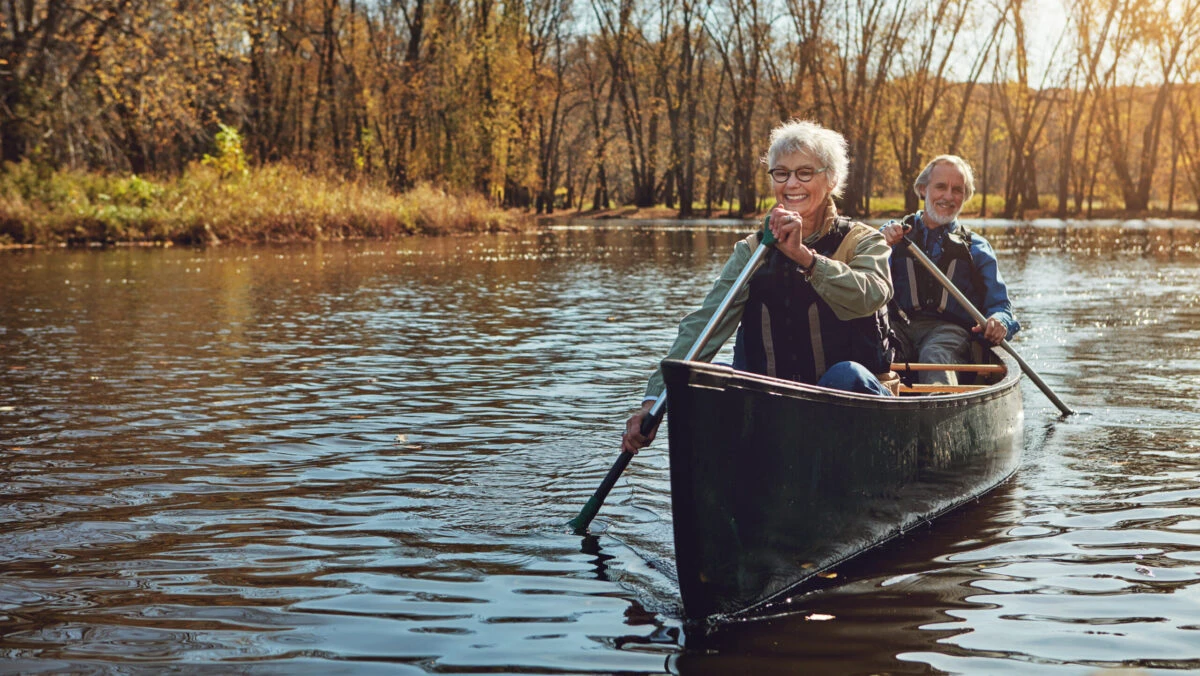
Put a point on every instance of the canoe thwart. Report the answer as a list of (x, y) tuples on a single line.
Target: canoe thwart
[(920, 388), (971, 368)]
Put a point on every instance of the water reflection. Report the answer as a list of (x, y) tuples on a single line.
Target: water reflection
[(363, 454), (891, 602)]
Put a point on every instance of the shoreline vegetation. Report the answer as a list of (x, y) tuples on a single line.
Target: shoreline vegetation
[(206, 206)]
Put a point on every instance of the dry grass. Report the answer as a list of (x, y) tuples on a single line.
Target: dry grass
[(270, 204)]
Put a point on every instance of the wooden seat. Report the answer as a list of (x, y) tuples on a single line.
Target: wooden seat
[(938, 389)]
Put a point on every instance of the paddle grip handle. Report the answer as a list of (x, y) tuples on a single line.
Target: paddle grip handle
[(651, 420), (766, 237)]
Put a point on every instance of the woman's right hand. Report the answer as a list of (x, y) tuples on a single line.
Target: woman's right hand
[(788, 228), (633, 440)]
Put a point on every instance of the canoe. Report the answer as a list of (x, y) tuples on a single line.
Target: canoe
[(774, 482)]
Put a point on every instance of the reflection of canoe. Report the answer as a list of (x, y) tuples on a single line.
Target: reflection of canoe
[(773, 482)]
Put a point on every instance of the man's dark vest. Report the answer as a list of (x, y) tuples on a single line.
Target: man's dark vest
[(955, 262), (788, 331)]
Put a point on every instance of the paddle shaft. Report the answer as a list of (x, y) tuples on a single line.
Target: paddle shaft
[(981, 320), (655, 415)]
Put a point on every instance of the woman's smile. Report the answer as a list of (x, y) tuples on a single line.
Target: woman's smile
[(806, 198)]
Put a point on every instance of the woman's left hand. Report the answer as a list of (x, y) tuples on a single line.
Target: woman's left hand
[(788, 228)]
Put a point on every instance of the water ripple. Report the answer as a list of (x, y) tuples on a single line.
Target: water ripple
[(302, 458)]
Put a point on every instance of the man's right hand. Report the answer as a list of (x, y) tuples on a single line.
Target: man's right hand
[(633, 440), (894, 231)]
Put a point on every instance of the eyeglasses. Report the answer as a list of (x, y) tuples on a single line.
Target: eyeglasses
[(803, 174)]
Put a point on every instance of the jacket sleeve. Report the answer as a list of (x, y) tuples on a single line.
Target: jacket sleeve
[(995, 292), (860, 286), (691, 325)]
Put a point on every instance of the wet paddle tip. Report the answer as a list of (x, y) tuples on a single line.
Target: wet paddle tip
[(579, 525), (576, 527)]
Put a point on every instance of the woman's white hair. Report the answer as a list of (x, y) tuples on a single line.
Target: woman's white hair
[(955, 161), (826, 145)]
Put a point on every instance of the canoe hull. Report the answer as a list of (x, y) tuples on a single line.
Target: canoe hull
[(773, 482)]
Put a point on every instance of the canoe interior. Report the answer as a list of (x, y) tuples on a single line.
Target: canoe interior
[(773, 482)]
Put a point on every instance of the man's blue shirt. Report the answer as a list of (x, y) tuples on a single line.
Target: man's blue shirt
[(994, 294)]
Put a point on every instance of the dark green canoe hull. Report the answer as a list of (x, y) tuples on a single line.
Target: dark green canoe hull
[(773, 482)]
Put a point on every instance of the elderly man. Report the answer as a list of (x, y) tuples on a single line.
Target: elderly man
[(932, 326)]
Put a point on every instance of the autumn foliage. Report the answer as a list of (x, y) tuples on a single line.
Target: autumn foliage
[(589, 104)]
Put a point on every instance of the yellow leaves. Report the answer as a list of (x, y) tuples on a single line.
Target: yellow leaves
[(230, 159)]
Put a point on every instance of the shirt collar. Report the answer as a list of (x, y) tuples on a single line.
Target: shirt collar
[(827, 222)]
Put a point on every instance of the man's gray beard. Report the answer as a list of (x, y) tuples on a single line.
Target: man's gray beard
[(931, 215)]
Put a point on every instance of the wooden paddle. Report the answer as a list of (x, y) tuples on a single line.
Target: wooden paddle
[(652, 418), (981, 320)]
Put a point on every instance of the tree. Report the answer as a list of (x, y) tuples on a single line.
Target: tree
[(548, 109), (866, 37), (1164, 34), (1024, 112), (740, 45), (636, 89), (922, 87), (792, 72), (1090, 43), (685, 40)]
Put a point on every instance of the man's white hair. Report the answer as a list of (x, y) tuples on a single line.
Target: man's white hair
[(957, 162)]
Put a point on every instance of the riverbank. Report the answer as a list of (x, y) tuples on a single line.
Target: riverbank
[(276, 203), (279, 203)]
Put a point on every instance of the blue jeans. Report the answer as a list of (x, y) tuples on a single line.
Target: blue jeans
[(852, 376)]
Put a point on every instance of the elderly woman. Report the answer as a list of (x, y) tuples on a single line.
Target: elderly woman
[(815, 312)]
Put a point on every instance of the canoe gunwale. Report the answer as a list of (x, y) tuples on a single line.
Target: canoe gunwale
[(782, 386)]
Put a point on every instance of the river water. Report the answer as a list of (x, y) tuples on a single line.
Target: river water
[(360, 457)]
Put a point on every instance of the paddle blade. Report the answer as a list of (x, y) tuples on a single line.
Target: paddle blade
[(580, 523)]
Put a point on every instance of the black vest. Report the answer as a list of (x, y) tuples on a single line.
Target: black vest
[(956, 263), (788, 331)]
